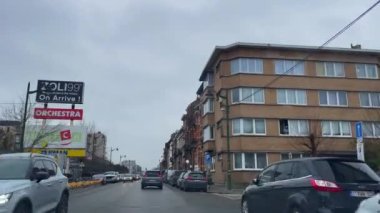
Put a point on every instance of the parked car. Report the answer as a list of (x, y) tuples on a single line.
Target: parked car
[(193, 180), (370, 205), (32, 183), (100, 177), (174, 178), (180, 179), (152, 178), (168, 173), (311, 185), (112, 177)]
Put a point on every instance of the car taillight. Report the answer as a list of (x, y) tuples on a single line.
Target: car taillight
[(324, 186), (189, 178)]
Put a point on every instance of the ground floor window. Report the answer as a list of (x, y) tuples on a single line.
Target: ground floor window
[(250, 161), (290, 155)]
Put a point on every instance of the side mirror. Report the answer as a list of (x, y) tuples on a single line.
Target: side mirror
[(39, 176), (254, 181)]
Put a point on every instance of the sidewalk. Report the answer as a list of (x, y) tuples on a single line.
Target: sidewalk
[(222, 189)]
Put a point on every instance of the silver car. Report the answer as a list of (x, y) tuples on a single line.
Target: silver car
[(32, 183)]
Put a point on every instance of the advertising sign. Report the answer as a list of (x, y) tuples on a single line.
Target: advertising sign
[(65, 92), (58, 114), (55, 137), (65, 152)]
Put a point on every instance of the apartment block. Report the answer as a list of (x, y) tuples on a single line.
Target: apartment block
[(272, 102)]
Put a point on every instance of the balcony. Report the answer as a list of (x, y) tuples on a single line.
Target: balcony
[(209, 146)]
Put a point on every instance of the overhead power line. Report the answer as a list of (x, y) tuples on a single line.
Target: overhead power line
[(320, 47)]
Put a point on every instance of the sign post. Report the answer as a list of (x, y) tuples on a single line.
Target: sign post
[(359, 141)]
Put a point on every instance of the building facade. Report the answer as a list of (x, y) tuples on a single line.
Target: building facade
[(263, 103), (10, 132)]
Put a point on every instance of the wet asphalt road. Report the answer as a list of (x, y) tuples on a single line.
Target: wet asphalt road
[(129, 197)]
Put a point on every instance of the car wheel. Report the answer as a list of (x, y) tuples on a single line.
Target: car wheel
[(205, 189), (296, 210), (142, 187), (63, 205), (244, 206), (23, 207), (160, 187)]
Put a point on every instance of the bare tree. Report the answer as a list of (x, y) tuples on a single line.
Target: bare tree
[(313, 140), (15, 111)]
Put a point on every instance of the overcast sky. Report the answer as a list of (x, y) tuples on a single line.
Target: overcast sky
[(141, 59)]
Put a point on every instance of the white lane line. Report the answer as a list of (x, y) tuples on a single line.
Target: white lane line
[(229, 196)]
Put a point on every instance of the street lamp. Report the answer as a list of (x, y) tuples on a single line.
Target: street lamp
[(187, 164), (122, 156), (111, 150), (224, 102)]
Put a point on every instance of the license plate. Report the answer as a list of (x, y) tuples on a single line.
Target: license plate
[(362, 193)]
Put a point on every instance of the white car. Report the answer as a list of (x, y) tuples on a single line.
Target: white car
[(32, 183), (370, 205), (112, 177)]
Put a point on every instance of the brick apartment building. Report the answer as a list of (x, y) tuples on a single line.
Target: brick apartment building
[(275, 113)]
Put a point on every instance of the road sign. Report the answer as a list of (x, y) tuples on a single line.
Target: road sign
[(59, 114), (359, 131), (66, 92)]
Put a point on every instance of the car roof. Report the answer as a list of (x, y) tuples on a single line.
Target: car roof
[(307, 159), (25, 155)]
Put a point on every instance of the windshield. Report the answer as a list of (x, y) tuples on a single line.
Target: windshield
[(14, 168)]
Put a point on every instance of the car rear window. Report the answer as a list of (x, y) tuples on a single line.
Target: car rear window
[(197, 176), (346, 171), (153, 174)]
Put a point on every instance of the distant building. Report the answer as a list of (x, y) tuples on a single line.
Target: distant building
[(96, 146), (131, 165)]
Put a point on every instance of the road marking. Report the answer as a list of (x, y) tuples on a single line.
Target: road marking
[(229, 196)]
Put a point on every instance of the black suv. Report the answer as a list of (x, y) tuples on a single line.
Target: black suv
[(311, 185)]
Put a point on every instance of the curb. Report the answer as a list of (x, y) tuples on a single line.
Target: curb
[(83, 184)]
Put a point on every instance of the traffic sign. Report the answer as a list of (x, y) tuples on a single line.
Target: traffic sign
[(66, 92), (359, 131)]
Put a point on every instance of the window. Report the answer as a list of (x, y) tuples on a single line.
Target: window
[(209, 80), (287, 156), (371, 129), (51, 167), (291, 96), (336, 128), (294, 127), (208, 106), (333, 98), (248, 95), (289, 67), (330, 69), (283, 171), (250, 161), (247, 65), (267, 175), (369, 99), (366, 71), (248, 126), (300, 170), (213, 163), (208, 133)]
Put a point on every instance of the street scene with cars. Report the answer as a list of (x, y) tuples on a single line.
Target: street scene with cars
[(192, 107)]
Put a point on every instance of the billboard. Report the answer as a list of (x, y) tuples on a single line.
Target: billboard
[(55, 137), (58, 114), (64, 92)]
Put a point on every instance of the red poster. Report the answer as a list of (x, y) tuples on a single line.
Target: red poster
[(59, 114)]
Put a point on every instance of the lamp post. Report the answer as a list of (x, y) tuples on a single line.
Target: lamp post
[(227, 109), (111, 150), (187, 164)]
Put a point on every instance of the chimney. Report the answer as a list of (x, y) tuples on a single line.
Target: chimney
[(358, 46)]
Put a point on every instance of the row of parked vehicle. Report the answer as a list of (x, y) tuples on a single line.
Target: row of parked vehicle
[(186, 180), (114, 177)]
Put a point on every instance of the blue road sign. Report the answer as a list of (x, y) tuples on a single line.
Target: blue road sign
[(359, 130)]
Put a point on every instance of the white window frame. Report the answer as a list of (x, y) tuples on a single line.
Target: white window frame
[(209, 80), (328, 93), (208, 106), (298, 127), (288, 72), (290, 155), (287, 99), (210, 130), (372, 130), (243, 161), (369, 95), (240, 61), (241, 127), (366, 71), (340, 129), (335, 69), (254, 90)]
